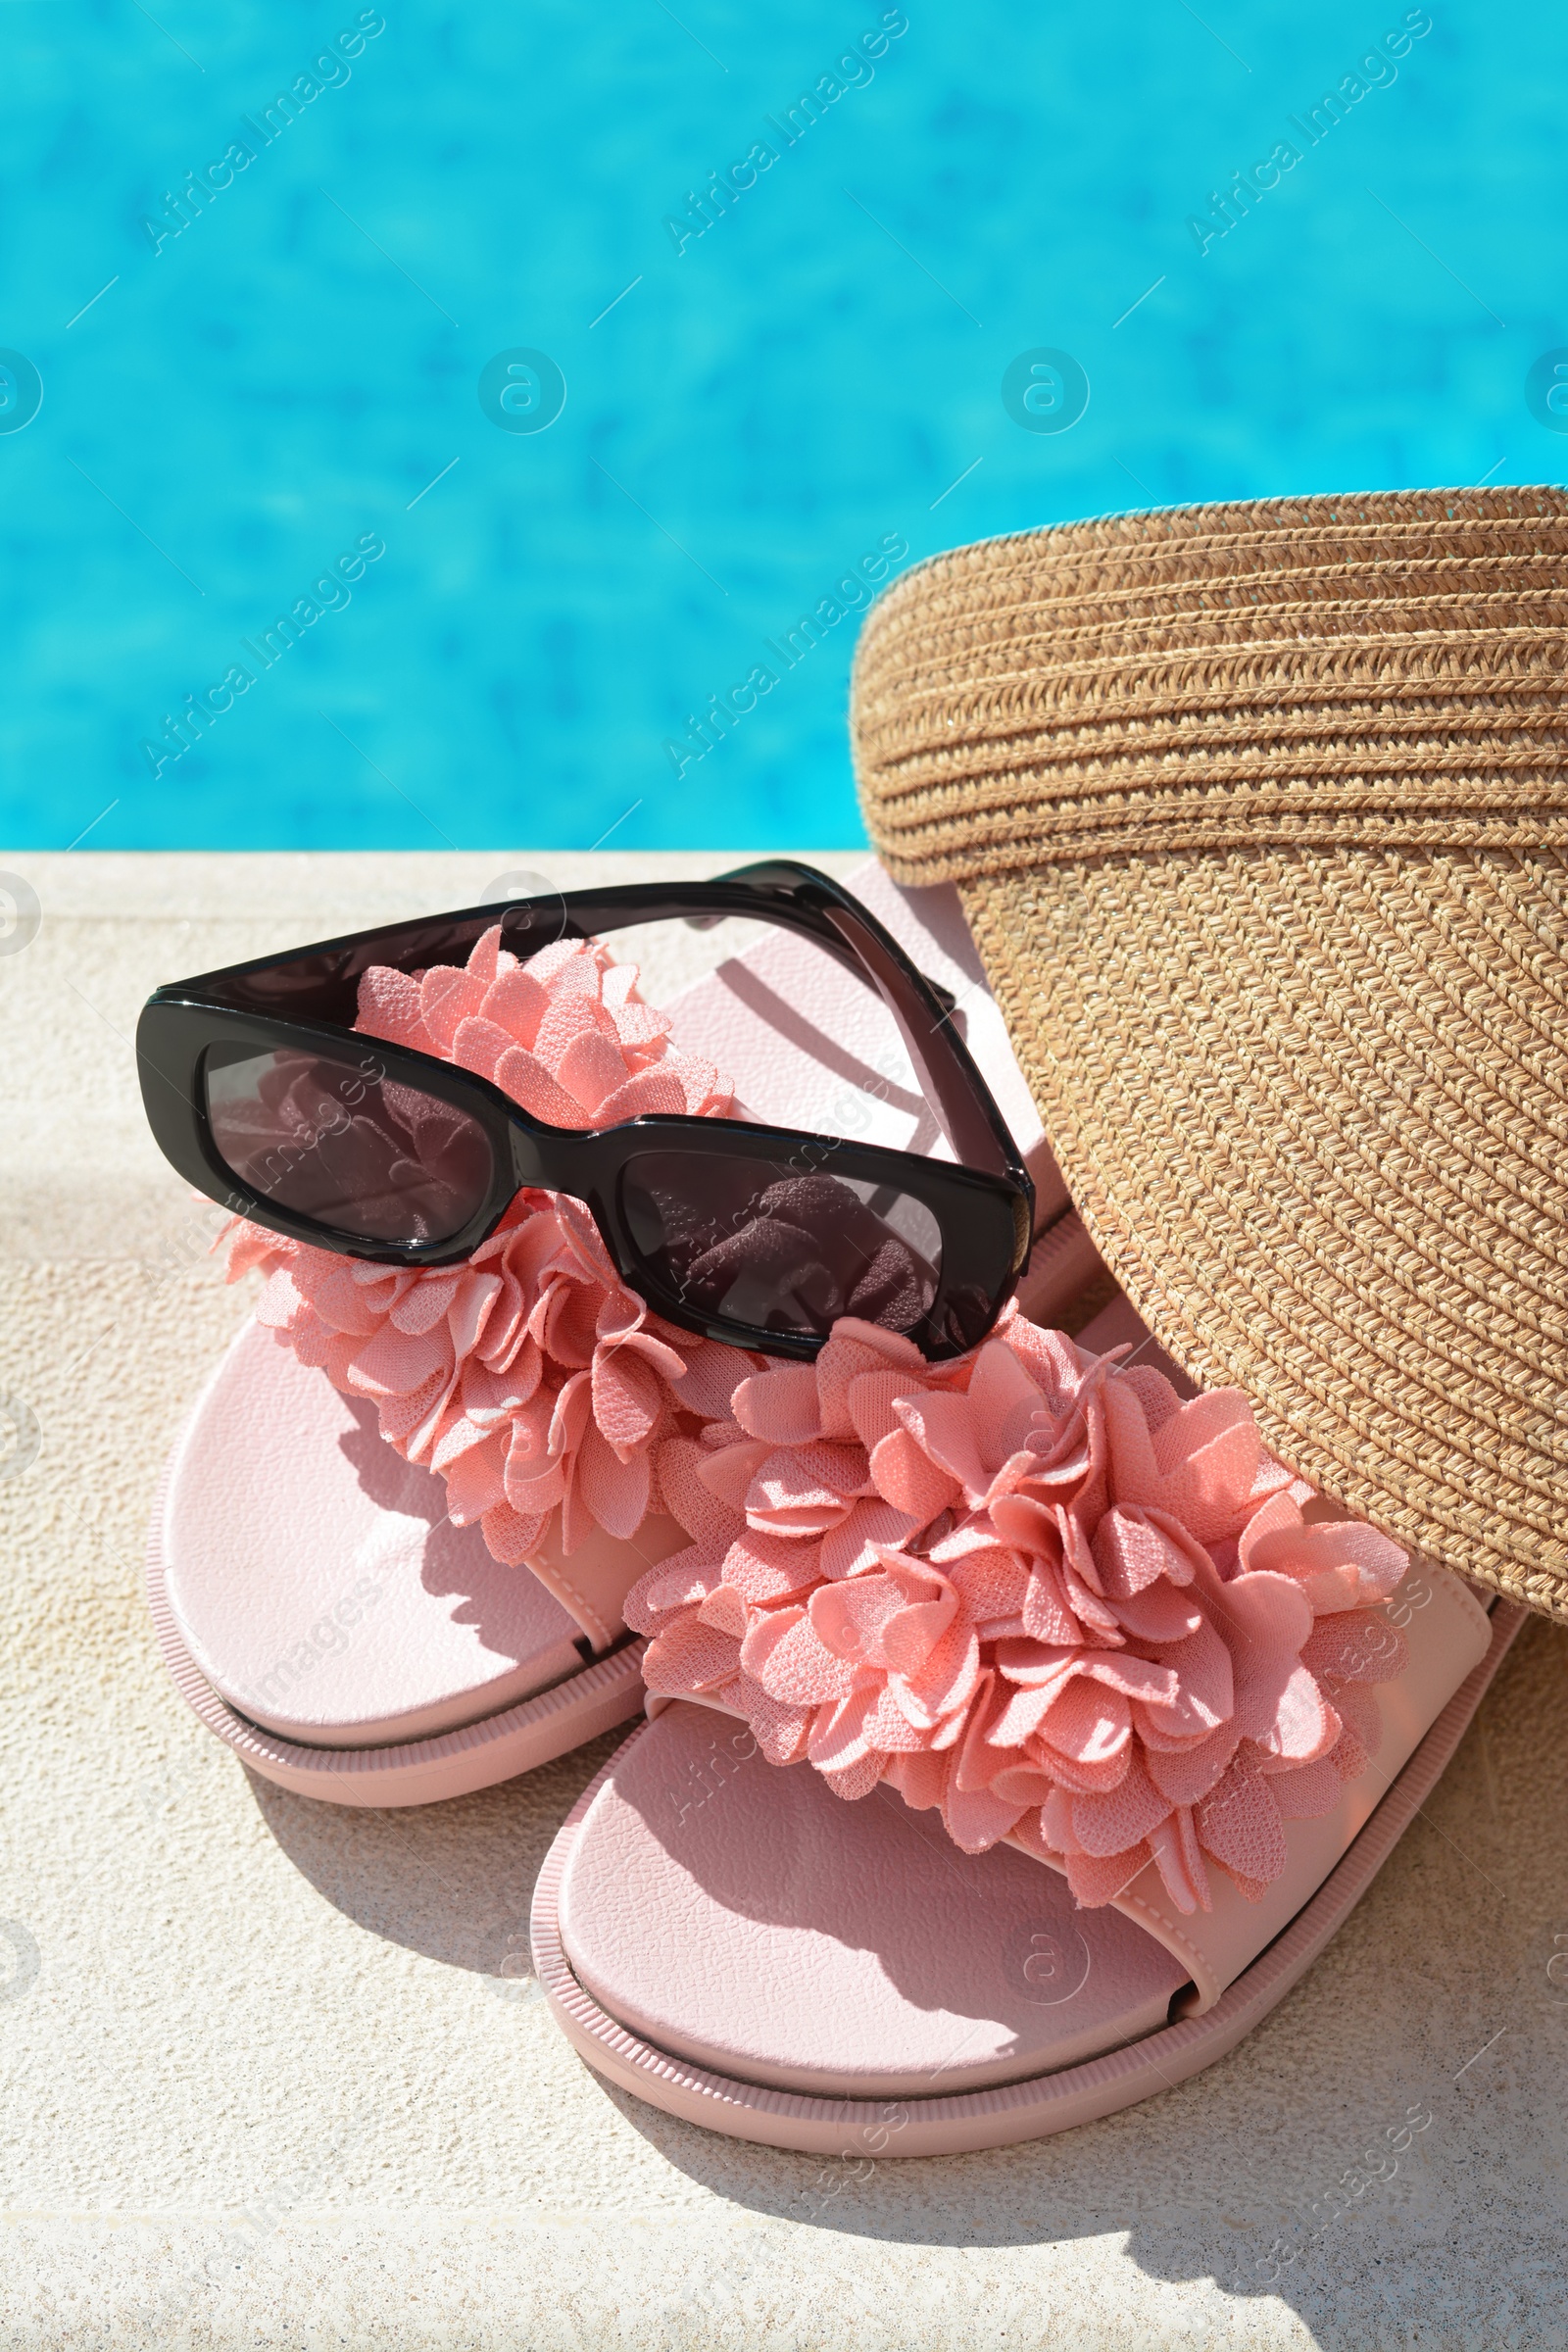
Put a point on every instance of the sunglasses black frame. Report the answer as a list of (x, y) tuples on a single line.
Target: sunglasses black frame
[(307, 999)]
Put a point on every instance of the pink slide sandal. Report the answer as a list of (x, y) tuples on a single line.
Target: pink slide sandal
[(1150, 1869), (317, 1602), (320, 1612)]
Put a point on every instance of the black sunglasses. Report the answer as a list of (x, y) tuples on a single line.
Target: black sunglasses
[(262, 1093)]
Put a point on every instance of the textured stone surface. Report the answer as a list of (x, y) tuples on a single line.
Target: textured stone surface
[(277, 2075)]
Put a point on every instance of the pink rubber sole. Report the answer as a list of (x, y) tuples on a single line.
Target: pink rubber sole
[(419, 1771), (1018, 2111)]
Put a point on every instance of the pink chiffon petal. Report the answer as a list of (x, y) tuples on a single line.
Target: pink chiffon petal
[(698, 1079), (516, 1001), (1024, 1711), (447, 999), (767, 1569), (944, 1432), (570, 1015), (1308, 1790), (628, 1399), (867, 1398), (1356, 1645), (727, 1473), (1163, 1614), (911, 1637), (724, 1609), (862, 1724), (389, 1007), (780, 1404), (1205, 1698), (944, 1682), (711, 1373), (1187, 1773), (424, 1303), (1359, 1743), (1086, 1723), (591, 1068), (1128, 1814), (1079, 1779), (479, 1044), (488, 957), (1132, 1552), (689, 1500), (844, 1470), (852, 1782), (783, 1653), (856, 1542), (1341, 1565), (1021, 1783), (476, 1483), (528, 1081), (689, 1658), (1007, 1407), (672, 1586), (989, 1581), (512, 1537), (781, 1731), (852, 1618), (977, 1819), (905, 1477), (1095, 1882), (852, 1351), (395, 1362), (920, 1778), (1238, 1824), (1180, 1863), (614, 1490), (648, 1094)]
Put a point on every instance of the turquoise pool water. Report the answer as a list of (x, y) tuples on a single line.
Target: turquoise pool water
[(441, 364)]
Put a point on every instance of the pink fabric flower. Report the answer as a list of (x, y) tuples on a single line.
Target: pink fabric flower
[(530, 1377), (1034, 1591)]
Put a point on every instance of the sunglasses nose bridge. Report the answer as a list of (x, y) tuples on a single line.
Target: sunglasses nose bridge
[(561, 1162), (558, 1161)]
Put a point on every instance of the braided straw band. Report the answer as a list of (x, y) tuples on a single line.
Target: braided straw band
[(1257, 815)]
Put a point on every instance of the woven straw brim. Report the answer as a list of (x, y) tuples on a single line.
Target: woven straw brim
[(1298, 1028)]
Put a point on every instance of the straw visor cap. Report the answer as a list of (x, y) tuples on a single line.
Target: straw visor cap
[(1259, 815)]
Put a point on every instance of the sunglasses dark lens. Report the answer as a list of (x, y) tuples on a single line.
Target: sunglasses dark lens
[(754, 1241), (338, 1141)]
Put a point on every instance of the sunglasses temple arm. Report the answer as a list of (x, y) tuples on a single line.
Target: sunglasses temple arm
[(947, 1072), (772, 877)]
